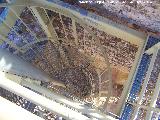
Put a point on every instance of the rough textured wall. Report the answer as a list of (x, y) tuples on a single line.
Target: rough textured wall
[(140, 16)]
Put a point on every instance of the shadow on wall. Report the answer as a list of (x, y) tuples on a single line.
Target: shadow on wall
[(15, 65)]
